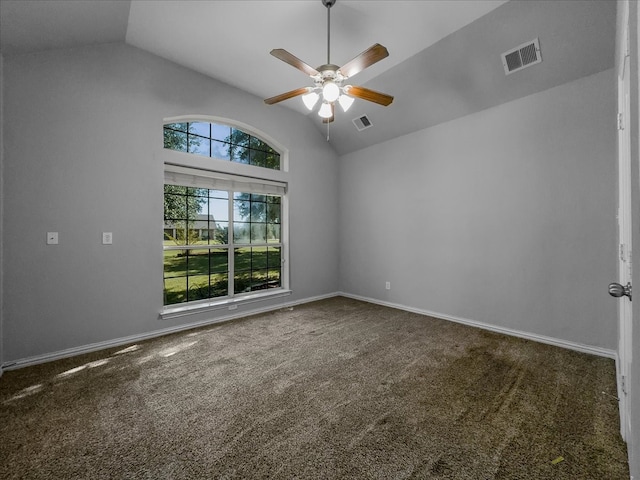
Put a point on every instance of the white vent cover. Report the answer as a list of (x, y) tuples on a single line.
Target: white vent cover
[(362, 123), (521, 57)]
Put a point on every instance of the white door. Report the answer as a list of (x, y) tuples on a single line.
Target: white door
[(624, 226)]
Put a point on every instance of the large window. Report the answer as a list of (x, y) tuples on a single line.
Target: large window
[(221, 142), (219, 243), (223, 232)]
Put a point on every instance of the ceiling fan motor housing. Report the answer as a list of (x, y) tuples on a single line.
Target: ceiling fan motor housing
[(330, 72)]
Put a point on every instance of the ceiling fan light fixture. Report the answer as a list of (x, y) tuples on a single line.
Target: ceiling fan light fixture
[(310, 99), (329, 78), (325, 110), (330, 91), (345, 102)]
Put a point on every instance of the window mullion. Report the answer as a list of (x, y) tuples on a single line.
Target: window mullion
[(231, 250), (186, 235)]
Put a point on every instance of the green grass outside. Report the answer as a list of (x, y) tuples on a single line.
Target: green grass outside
[(202, 273)]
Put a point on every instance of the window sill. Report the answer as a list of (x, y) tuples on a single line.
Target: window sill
[(230, 303)]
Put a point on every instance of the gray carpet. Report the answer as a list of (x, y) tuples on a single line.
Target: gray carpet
[(336, 389)]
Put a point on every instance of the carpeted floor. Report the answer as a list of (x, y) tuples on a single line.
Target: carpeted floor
[(336, 389)]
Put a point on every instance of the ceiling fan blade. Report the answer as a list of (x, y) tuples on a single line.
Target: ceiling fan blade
[(367, 58), (286, 96), (294, 61), (370, 95)]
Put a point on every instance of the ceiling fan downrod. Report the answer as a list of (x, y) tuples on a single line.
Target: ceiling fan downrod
[(328, 4)]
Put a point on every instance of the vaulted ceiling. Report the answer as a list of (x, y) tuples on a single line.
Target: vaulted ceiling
[(444, 63)]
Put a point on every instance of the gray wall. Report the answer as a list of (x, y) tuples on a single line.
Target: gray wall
[(505, 217), (81, 140)]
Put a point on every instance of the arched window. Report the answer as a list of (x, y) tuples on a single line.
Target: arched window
[(223, 142), (224, 232)]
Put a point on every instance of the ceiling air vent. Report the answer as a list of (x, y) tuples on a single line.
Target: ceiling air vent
[(521, 57), (362, 123)]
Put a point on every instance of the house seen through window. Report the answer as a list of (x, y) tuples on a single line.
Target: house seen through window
[(222, 235)]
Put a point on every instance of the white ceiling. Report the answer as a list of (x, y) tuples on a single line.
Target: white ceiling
[(230, 40), (28, 26)]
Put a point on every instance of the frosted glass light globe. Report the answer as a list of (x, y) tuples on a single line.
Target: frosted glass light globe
[(325, 110), (330, 92), (310, 99), (345, 102)]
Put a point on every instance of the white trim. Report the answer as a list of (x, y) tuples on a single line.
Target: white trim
[(601, 352), (117, 342), (624, 224), (192, 308), (187, 176), (623, 36), (70, 352), (200, 162), (1, 212)]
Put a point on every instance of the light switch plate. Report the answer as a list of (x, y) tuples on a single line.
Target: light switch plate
[(52, 238), (107, 238)]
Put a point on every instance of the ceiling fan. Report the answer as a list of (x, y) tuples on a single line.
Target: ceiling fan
[(329, 80)]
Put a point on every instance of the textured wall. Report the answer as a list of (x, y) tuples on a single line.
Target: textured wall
[(505, 217), (82, 136)]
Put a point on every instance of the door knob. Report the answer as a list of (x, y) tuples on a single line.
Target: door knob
[(617, 290)]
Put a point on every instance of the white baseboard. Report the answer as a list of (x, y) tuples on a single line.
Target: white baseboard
[(601, 352), (70, 352), (117, 342)]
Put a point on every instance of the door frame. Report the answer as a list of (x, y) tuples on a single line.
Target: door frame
[(625, 257)]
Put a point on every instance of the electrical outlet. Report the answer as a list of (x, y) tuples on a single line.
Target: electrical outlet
[(52, 238), (387, 286), (233, 307)]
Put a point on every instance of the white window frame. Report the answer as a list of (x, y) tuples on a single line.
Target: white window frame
[(203, 169)]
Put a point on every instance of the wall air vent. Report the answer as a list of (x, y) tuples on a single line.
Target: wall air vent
[(362, 123), (521, 57)]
